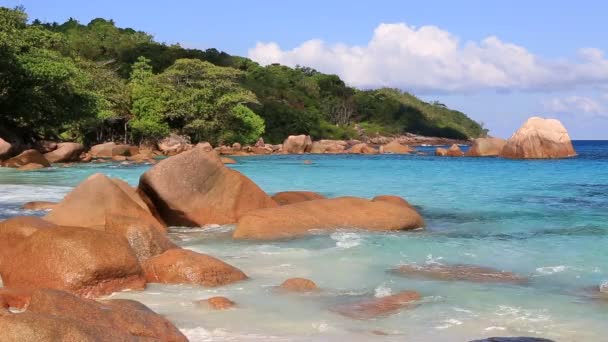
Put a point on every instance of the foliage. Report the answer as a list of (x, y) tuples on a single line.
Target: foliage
[(99, 82)]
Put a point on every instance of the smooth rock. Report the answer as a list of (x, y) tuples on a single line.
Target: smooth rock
[(174, 144), (461, 272), (98, 197), (182, 266), (126, 316), (290, 197), (145, 239), (65, 152), (297, 144), (440, 151), (299, 285), (378, 307), (228, 160), (393, 199), (298, 219), (195, 188), (39, 205), (455, 151), (30, 167), (396, 148), (15, 230), (31, 327), (362, 148), (6, 149), (27, 157), (104, 150), (217, 303), (82, 261), (486, 147), (539, 138)]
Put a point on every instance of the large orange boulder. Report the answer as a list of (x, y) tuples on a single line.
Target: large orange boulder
[(486, 147), (362, 148), (393, 199), (27, 157), (297, 144), (102, 150), (289, 197), (328, 146), (378, 307), (99, 197), (174, 144), (6, 149), (460, 272), (31, 327), (455, 151), (194, 188), (298, 219), (396, 148), (145, 239), (182, 266), (52, 315), (125, 316), (15, 230), (539, 138), (65, 152), (83, 261)]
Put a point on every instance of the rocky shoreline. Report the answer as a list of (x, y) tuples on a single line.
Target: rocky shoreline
[(113, 237)]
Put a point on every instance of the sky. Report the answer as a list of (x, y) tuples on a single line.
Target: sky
[(499, 62)]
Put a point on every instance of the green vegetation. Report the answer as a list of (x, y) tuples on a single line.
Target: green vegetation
[(98, 82)]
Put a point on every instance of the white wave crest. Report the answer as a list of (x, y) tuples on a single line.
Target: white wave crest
[(346, 239), (382, 291), (551, 269)]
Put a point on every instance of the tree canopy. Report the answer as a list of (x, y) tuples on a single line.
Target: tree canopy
[(99, 82)]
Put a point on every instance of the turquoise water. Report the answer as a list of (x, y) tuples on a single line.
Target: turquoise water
[(543, 219)]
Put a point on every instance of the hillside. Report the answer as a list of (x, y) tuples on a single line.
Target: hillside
[(98, 82)]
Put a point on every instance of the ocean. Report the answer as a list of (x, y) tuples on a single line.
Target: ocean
[(543, 219)]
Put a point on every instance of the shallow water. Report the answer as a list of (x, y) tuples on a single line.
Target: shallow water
[(542, 219)]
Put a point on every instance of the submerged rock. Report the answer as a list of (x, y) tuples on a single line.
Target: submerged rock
[(289, 197), (461, 272), (82, 261), (195, 188), (182, 266), (298, 219), (299, 285), (539, 138), (378, 307), (217, 303), (486, 147), (297, 144), (97, 198), (65, 152), (60, 315)]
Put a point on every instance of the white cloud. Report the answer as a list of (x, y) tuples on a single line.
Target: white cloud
[(429, 59), (574, 105)]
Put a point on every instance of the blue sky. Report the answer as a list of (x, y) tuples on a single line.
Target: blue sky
[(498, 61)]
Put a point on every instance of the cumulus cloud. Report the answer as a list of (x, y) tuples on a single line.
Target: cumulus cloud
[(574, 105), (430, 59)]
